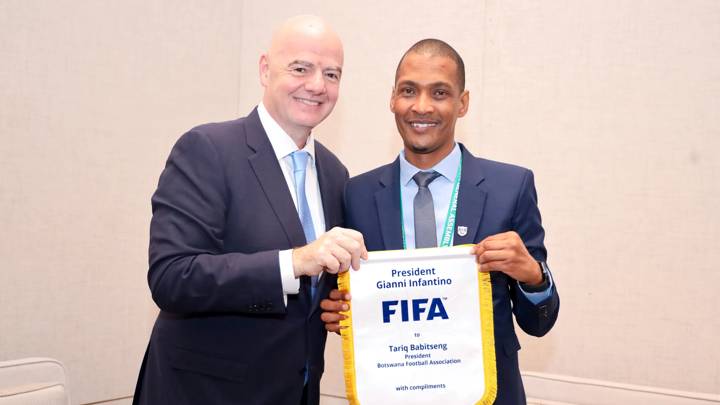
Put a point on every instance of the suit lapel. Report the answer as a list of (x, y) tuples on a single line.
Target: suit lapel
[(387, 204), (269, 174), (325, 190), (471, 200), (326, 186)]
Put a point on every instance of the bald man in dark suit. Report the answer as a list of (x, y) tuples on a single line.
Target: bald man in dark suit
[(239, 252)]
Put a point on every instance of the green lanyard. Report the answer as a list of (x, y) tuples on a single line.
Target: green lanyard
[(447, 237)]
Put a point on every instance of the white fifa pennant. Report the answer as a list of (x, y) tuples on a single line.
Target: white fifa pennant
[(462, 230), (420, 330)]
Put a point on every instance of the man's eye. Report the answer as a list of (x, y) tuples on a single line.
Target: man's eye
[(332, 76), (299, 69), (407, 91), (441, 93)]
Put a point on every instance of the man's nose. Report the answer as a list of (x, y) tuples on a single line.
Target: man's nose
[(315, 83), (423, 104)]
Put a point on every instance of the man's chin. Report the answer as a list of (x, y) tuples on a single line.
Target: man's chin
[(310, 122), (314, 118), (419, 149)]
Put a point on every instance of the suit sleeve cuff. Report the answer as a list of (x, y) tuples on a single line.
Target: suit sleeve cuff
[(541, 292)]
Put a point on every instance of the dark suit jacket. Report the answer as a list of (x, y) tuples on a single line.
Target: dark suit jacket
[(221, 213), (493, 198)]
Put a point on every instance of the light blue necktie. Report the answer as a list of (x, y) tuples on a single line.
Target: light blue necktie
[(299, 159)]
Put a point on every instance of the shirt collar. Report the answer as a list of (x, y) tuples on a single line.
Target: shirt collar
[(446, 167), (281, 142)]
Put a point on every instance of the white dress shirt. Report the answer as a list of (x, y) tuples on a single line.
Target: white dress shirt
[(283, 146)]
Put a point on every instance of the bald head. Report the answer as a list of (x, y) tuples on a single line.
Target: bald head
[(301, 74), (310, 28)]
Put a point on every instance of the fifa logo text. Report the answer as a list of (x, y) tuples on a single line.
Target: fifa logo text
[(417, 307)]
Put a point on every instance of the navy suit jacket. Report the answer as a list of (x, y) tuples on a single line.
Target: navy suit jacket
[(221, 213), (493, 198)]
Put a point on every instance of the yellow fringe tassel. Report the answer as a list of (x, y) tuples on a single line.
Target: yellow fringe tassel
[(348, 347), (487, 323)]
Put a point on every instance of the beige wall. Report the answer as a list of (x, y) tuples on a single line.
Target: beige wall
[(92, 96), (612, 104)]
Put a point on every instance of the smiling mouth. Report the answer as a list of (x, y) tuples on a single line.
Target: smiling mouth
[(309, 102), (423, 124)]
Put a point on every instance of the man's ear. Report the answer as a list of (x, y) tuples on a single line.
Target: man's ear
[(392, 99), (264, 69), (464, 103)]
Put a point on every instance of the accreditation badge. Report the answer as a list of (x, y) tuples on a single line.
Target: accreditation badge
[(420, 329)]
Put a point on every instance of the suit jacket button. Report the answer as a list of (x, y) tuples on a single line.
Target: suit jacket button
[(543, 311)]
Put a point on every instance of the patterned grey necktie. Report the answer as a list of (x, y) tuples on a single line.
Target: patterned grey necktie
[(425, 233)]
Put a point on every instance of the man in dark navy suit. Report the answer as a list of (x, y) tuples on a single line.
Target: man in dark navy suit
[(239, 253), (496, 205)]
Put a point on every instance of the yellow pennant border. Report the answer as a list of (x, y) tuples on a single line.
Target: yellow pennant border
[(487, 325)]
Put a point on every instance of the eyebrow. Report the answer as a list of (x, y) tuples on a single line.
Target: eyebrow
[(300, 62), (415, 84), (309, 64)]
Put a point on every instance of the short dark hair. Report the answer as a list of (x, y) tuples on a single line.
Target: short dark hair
[(436, 47)]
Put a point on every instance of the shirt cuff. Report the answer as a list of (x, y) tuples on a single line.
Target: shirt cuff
[(290, 284), (535, 296)]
